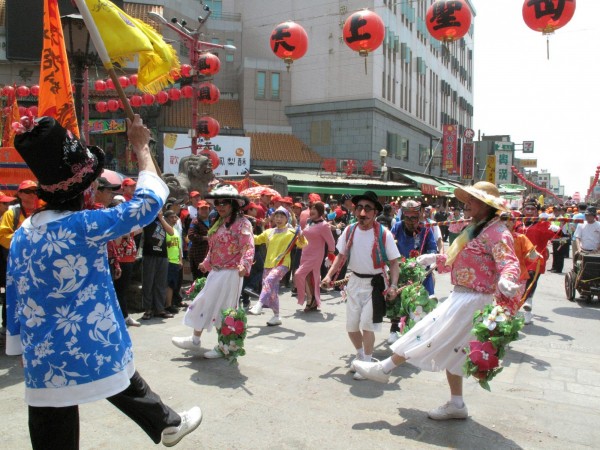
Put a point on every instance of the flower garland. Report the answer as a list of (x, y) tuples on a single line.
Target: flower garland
[(232, 333), (495, 328), (412, 302), (195, 288)]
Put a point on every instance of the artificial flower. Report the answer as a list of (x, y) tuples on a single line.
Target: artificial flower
[(483, 355)]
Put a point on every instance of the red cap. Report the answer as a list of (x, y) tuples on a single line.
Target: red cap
[(313, 198), (287, 200), (202, 204), (266, 192), (5, 198), (128, 182), (251, 205), (27, 184), (298, 205), (339, 212), (277, 198), (194, 194)]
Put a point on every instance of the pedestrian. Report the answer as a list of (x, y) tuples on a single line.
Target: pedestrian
[(369, 282), (279, 241), (62, 304), (308, 276), (482, 261), (229, 259), (587, 234), (175, 257), (198, 238), (5, 202)]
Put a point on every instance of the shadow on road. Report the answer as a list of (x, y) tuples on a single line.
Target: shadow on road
[(214, 372), (514, 356), (10, 367), (453, 434), (535, 329), (277, 332), (313, 316), (584, 310)]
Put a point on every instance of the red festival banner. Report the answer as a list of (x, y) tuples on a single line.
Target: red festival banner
[(450, 149), (467, 161)]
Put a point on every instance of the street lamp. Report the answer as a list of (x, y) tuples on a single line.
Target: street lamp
[(384, 169), (77, 41)]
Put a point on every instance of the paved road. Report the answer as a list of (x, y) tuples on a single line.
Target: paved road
[(293, 390)]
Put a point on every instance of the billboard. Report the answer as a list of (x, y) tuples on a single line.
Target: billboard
[(503, 171), (450, 149), (233, 153), (467, 161)]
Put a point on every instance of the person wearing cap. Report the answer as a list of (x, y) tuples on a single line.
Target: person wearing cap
[(587, 234), (192, 204), (562, 242), (5, 201), (579, 214), (263, 204), (386, 218), (279, 240), (412, 239), (369, 249), (128, 188), (198, 238), (229, 259), (307, 277), (437, 232), (252, 283), (64, 317), (539, 233), (483, 267), (175, 267)]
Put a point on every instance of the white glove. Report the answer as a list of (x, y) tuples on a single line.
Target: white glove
[(327, 263), (507, 287), (554, 228), (427, 259)]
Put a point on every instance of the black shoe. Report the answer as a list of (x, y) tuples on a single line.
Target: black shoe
[(251, 293), (172, 309)]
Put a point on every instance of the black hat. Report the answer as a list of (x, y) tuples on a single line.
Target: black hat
[(370, 196), (591, 211), (63, 166), (345, 197), (103, 183)]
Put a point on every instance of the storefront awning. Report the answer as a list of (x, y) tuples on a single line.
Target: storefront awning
[(383, 192)]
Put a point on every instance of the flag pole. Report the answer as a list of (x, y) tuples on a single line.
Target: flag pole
[(108, 65)]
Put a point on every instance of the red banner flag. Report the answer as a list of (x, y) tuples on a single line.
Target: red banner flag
[(8, 139), (56, 93), (467, 161), (450, 149)]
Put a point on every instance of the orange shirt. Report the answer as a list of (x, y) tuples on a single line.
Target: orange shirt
[(525, 252)]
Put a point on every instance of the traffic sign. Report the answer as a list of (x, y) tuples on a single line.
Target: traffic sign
[(500, 145), (469, 134), (527, 146)]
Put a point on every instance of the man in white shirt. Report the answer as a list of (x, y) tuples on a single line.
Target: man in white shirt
[(587, 234)]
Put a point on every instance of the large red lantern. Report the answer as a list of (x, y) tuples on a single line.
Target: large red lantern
[(162, 97), (101, 107), (187, 91), (22, 111), (208, 93), (133, 79), (207, 127), (23, 91), (548, 15), (109, 84), (8, 91), (363, 32), (212, 155), (209, 64), (289, 42), (35, 90), (113, 105), (100, 85), (136, 101), (148, 99), (174, 94), (448, 20), (124, 81), (33, 110), (186, 70)]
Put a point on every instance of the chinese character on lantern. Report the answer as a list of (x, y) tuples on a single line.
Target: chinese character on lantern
[(330, 165), (350, 167), (368, 168)]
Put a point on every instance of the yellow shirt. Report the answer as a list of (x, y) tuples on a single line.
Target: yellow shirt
[(277, 243), (6, 227)]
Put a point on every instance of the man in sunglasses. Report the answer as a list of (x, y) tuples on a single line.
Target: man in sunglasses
[(413, 239), (368, 247)]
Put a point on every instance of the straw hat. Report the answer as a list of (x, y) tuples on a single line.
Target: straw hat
[(486, 192)]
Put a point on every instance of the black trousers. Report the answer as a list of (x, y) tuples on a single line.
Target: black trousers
[(58, 428), (559, 252), (529, 283), (121, 284)]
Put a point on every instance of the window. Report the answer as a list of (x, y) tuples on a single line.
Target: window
[(320, 132), (397, 146), (229, 54), (275, 86), (260, 84), (215, 40)]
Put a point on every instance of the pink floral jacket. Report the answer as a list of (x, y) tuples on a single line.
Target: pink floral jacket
[(484, 260), (229, 247)]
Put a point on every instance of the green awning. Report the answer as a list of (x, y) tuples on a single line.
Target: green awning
[(420, 179), (381, 191)]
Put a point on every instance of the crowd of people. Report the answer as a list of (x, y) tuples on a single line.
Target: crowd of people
[(68, 238)]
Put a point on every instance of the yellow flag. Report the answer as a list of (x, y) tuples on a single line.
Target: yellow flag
[(126, 37)]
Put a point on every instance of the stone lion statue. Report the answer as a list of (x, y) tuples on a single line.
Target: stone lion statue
[(195, 174)]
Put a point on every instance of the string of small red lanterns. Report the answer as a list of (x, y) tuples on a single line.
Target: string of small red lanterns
[(521, 177), (593, 183)]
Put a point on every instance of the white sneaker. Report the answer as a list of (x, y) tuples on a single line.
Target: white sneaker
[(274, 321), (213, 354), (352, 368), (371, 370), (131, 322), (186, 343), (527, 305), (256, 310), (394, 336), (358, 376), (449, 411), (528, 316), (189, 422)]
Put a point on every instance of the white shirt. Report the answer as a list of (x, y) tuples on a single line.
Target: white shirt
[(361, 260), (589, 235)]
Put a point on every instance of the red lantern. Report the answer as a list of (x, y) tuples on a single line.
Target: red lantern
[(209, 64), (363, 32), (208, 93), (187, 91), (186, 70), (289, 42), (448, 20), (207, 127), (113, 105), (162, 97), (136, 101), (174, 94), (212, 155), (148, 99), (548, 15), (101, 107), (35, 90), (22, 111), (124, 81), (133, 79), (33, 110), (100, 85), (120, 103), (110, 84), (23, 91), (176, 74)]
